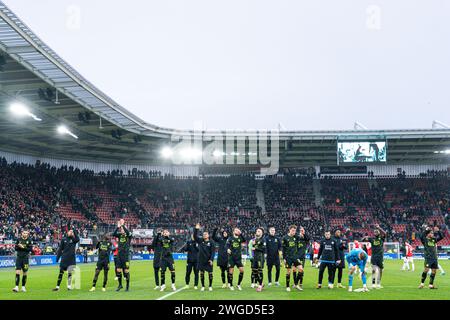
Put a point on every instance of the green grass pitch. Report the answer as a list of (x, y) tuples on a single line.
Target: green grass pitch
[(397, 284)]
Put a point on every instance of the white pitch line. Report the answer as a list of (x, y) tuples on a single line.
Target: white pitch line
[(170, 293)]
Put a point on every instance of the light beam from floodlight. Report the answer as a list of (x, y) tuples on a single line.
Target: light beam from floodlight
[(166, 152), (62, 129), (218, 153), (21, 110), (190, 153)]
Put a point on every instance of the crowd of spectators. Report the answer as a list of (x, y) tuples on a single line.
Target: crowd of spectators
[(32, 198)]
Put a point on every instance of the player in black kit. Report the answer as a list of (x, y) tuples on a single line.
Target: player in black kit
[(273, 256), (290, 256), (234, 250), (259, 251), (222, 255), (191, 248), (166, 259), (206, 252), (66, 252), (429, 238), (104, 248), (377, 243), (23, 249), (123, 257), (303, 241)]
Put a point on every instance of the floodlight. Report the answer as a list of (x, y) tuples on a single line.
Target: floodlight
[(63, 130)]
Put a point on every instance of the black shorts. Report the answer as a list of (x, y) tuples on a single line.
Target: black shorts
[(258, 263), (431, 264), (234, 261), (66, 267), (271, 263), (293, 262), (204, 267), (103, 265), (123, 262), (377, 261), (222, 261), (22, 264), (166, 263)]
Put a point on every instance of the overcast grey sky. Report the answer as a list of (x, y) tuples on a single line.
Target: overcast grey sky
[(241, 64)]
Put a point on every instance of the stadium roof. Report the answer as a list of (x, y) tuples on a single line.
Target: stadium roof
[(32, 73)]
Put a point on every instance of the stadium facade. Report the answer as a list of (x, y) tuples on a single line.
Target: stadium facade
[(109, 137)]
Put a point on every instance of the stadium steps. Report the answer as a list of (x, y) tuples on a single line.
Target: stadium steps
[(317, 192), (260, 200)]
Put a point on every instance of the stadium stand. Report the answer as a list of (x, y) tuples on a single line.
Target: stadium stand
[(43, 199)]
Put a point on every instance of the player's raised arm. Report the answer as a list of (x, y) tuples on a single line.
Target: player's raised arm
[(76, 238), (116, 232), (422, 235), (197, 238), (438, 234), (155, 240), (215, 235), (127, 232), (382, 232)]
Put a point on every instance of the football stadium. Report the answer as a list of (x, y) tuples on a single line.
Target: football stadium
[(98, 204)]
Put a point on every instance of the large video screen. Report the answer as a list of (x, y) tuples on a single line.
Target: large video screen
[(356, 152)]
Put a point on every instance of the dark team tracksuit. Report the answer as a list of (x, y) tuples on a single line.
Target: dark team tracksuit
[(342, 247), (156, 246), (222, 255), (328, 255), (191, 247), (273, 256), (206, 252)]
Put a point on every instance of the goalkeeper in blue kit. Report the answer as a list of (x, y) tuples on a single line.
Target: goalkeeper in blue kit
[(357, 258)]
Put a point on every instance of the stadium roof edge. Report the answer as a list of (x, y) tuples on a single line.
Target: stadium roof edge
[(26, 48)]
